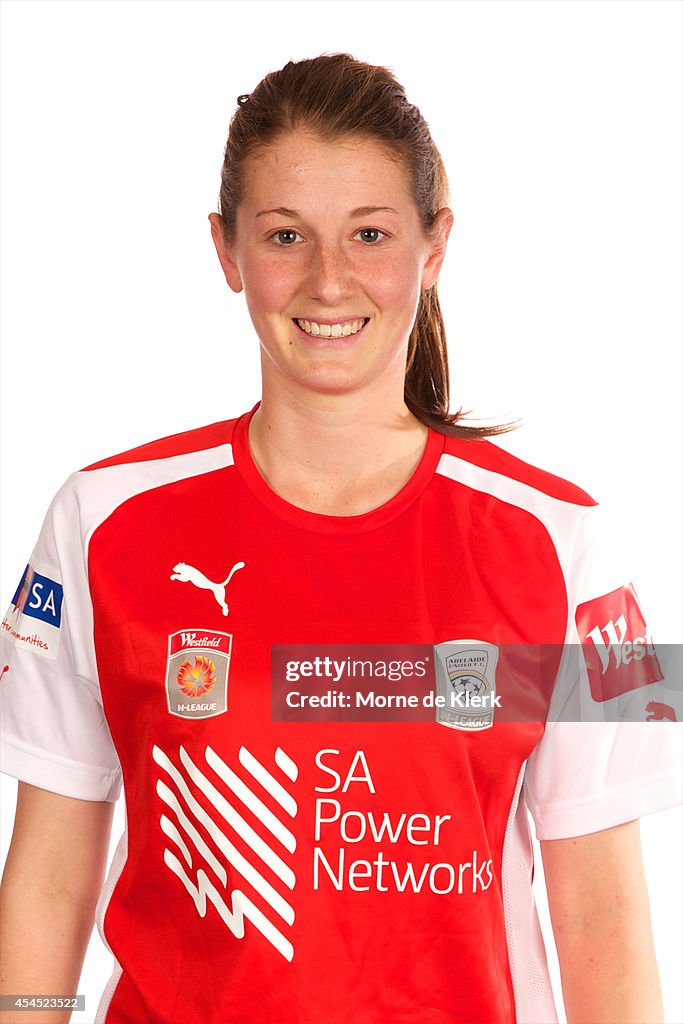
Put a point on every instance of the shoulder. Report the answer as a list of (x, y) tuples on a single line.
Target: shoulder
[(486, 466), (187, 442), (90, 495)]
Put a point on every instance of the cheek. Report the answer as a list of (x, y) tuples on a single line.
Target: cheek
[(395, 285), (268, 285)]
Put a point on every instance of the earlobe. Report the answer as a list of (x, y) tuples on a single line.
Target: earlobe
[(437, 252), (228, 265)]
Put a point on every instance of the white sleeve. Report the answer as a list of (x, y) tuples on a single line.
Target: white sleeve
[(611, 748), (586, 776), (53, 730)]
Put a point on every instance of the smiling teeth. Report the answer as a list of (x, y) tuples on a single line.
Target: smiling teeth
[(331, 330)]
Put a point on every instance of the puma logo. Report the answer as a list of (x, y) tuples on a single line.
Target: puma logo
[(658, 712), (188, 574)]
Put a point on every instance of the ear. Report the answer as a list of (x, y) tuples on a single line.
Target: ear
[(230, 269), (437, 247)]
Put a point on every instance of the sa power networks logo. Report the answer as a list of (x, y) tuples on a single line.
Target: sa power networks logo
[(619, 653), (197, 673), (466, 684), (199, 849), (34, 618)]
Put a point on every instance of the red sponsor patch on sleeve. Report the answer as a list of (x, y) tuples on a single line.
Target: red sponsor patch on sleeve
[(617, 648)]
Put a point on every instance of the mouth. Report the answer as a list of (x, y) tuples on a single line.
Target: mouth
[(343, 329)]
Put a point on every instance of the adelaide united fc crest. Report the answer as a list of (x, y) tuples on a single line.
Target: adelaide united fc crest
[(466, 683)]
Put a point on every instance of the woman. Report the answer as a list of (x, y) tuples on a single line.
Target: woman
[(202, 612)]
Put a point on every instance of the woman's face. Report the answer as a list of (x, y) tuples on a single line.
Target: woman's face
[(328, 241)]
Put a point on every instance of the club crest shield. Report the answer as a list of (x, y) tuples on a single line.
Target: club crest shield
[(197, 673), (465, 672)]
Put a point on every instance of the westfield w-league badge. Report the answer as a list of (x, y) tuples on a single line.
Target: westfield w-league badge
[(197, 673)]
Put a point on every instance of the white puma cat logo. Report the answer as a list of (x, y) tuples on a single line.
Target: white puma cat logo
[(188, 574)]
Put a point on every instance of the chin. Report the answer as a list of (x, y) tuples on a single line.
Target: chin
[(329, 383)]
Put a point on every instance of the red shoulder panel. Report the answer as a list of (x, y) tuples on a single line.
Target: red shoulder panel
[(489, 456)]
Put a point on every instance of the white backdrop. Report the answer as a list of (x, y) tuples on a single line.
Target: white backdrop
[(560, 126)]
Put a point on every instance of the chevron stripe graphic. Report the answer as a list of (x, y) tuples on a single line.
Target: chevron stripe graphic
[(177, 789)]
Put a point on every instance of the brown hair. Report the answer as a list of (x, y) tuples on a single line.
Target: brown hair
[(333, 96)]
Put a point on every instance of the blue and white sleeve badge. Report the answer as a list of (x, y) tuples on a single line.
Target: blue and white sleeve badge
[(34, 616)]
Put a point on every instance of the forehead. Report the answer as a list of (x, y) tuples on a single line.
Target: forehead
[(300, 169)]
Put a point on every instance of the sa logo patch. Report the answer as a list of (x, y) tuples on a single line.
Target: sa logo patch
[(466, 683), (197, 673), (34, 617)]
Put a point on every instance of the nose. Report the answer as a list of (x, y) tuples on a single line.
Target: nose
[(330, 275)]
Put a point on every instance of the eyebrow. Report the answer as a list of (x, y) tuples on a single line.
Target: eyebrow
[(361, 211)]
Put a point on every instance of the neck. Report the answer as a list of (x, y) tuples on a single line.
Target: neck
[(325, 451)]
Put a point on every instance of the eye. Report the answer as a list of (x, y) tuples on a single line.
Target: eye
[(279, 240), (370, 231)]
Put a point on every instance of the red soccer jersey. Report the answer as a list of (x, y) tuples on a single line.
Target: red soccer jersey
[(185, 633)]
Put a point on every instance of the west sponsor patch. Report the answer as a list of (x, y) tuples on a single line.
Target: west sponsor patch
[(466, 681), (34, 617), (618, 651), (197, 673)]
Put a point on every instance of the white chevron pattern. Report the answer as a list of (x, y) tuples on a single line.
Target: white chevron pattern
[(250, 800), (177, 790), (268, 781)]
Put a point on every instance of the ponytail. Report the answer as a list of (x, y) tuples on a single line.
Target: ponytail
[(427, 385)]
